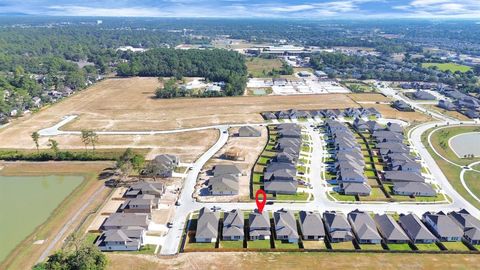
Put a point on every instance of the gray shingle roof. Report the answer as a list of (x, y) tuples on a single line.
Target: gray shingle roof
[(336, 221), (415, 229), (389, 228), (363, 225), (445, 226), (402, 176), (127, 219), (285, 224), (207, 224), (225, 169), (311, 223), (233, 224)]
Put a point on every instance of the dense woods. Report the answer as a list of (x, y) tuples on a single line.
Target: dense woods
[(215, 65)]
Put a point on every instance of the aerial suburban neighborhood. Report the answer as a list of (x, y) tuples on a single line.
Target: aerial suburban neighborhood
[(240, 135)]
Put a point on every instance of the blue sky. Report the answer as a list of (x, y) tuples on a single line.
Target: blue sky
[(320, 9)]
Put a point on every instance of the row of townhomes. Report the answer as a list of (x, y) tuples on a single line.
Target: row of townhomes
[(358, 226), (125, 230), (327, 113), (349, 162), (402, 169), (224, 180), (463, 103), (280, 174)]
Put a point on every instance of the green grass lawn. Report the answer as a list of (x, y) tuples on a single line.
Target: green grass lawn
[(376, 195), (90, 238), (259, 244), (427, 247), (257, 178), (452, 67), (341, 197), (260, 67), (440, 140), (343, 245), (371, 247), (472, 180), (147, 249), (295, 197), (455, 246), (285, 245), (399, 247), (264, 160), (231, 244), (369, 174), (451, 172), (359, 87)]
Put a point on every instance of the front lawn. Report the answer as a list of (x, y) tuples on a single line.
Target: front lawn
[(427, 247), (259, 244), (343, 198), (285, 245), (314, 244), (302, 196), (231, 244), (343, 245), (405, 246), (371, 247), (146, 249), (459, 246)]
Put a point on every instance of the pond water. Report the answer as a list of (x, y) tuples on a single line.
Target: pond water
[(26, 202), (466, 144)]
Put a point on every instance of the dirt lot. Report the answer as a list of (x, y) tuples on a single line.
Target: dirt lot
[(251, 260), (26, 254), (251, 148), (127, 104), (369, 97), (389, 112)]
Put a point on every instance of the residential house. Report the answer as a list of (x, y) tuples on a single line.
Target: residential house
[(469, 224), (311, 224), (447, 105), (226, 169), (269, 116), (390, 230), (403, 176), (423, 95), (364, 227), (248, 131), (416, 230), (143, 188), (233, 226), (122, 220), (402, 106), (443, 226), (207, 226), (356, 189), (223, 185), (161, 166), (126, 239), (394, 127), (414, 189), (337, 226), (259, 225), (285, 226), (143, 204), (472, 114)]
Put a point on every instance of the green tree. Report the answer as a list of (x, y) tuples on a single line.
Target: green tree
[(85, 138), (86, 257), (35, 138), (54, 146)]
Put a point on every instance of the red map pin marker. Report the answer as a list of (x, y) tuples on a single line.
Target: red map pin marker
[(260, 204)]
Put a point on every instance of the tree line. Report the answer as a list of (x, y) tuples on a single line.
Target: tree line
[(214, 65)]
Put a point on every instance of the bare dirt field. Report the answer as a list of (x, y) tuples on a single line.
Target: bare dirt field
[(369, 97), (128, 104), (330, 260), (389, 112), (250, 148), (26, 254)]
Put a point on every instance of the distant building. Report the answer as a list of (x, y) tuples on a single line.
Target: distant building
[(423, 95), (248, 131)]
